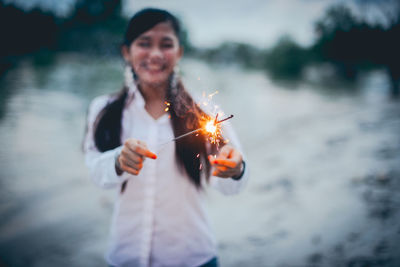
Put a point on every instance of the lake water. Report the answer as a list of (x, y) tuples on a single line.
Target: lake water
[(324, 164)]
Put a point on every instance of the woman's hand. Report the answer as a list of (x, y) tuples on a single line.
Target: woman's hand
[(132, 156), (228, 162)]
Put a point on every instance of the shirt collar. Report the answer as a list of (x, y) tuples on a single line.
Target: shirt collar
[(135, 96)]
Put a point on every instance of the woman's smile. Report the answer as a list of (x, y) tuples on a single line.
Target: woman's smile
[(153, 67), (154, 54)]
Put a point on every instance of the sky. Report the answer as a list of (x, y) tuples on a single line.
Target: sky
[(258, 22), (211, 22)]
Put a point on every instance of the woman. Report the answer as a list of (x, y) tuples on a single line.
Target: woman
[(159, 217)]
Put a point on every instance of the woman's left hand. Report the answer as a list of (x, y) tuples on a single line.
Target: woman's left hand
[(228, 162)]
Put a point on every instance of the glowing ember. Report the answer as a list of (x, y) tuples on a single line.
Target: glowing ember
[(211, 127), (213, 131), (168, 105), (211, 95)]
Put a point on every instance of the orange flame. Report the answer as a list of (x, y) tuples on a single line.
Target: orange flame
[(212, 129)]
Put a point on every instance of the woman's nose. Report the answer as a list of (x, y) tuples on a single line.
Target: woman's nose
[(156, 53)]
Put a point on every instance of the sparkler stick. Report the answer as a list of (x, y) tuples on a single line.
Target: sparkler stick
[(197, 130), (230, 117), (186, 134)]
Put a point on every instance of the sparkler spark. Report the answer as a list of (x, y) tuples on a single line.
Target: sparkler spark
[(211, 95), (168, 105), (211, 128)]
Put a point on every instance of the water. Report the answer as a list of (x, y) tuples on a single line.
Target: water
[(324, 165)]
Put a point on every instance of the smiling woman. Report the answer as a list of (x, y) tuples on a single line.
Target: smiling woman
[(125, 128), (154, 54)]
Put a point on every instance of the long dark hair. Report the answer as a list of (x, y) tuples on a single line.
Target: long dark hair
[(185, 114)]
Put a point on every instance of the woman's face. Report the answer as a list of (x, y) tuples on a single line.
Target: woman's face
[(154, 54)]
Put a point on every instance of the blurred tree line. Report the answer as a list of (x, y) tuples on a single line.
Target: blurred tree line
[(347, 42), (93, 26), (352, 44)]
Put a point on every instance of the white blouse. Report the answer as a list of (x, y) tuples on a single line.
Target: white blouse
[(160, 218)]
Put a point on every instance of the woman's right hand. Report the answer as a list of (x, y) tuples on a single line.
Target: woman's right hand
[(132, 156)]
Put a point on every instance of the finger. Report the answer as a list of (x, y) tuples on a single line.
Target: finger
[(221, 168), (129, 169), (144, 146), (225, 162), (130, 147), (132, 156), (141, 143), (219, 162), (236, 155), (140, 147), (225, 152), (145, 152), (131, 164)]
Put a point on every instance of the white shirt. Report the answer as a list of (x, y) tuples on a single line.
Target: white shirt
[(160, 218)]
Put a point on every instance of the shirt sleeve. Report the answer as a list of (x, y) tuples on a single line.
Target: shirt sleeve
[(228, 186), (101, 164)]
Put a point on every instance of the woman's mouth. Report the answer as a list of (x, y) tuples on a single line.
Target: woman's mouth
[(154, 67)]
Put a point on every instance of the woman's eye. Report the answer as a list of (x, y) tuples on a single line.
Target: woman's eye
[(167, 45), (144, 44)]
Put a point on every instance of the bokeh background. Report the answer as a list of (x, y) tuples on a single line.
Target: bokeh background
[(314, 87)]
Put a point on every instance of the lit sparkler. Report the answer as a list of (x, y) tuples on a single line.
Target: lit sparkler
[(211, 127)]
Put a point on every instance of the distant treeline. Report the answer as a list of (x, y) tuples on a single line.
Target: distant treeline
[(346, 42), (92, 26)]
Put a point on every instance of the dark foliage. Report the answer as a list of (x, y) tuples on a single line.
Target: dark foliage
[(352, 44), (287, 59)]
